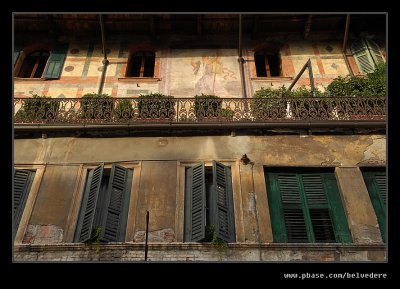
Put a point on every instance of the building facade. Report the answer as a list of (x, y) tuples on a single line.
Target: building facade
[(232, 178)]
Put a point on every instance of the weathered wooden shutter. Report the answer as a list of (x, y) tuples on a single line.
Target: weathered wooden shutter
[(86, 218), (376, 185), (195, 203), (375, 51), (318, 207), (55, 62), (338, 216), (115, 214), (292, 209), (22, 184), (361, 53), (222, 215), (17, 50)]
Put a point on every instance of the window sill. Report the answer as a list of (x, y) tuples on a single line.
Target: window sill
[(29, 79), (139, 79), (277, 78)]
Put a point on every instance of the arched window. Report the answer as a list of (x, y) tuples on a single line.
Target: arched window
[(268, 64), (367, 55), (34, 64), (141, 64)]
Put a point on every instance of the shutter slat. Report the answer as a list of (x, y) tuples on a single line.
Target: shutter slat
[(115, 213), (362, 56), (195, 204), (55, 62), (222, 215), (86, 219)]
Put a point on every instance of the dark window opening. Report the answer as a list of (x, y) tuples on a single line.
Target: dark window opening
[(267, 64), (34, 64), (141, 65)]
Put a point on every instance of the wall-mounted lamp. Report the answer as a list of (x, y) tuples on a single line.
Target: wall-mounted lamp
[(245, 160)]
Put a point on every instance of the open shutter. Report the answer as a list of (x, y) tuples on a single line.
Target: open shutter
[(275, 208), (222, 215), (88, 207), (17, 50), (195, 204), (362, 56), (115, 213), (318, 207), (292, 208), (375, 51), (376, 185), (338, 216), (22, 184), (55, 62)]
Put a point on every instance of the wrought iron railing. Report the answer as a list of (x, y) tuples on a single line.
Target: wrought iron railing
[(190, 110)]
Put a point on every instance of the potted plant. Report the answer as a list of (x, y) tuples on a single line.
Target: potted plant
[(207, 106), (96, 106), (124, 109), (38, 108), (268, 104), (156, 106)]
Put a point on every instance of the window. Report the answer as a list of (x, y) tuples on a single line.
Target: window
[(267, 64), (104, 208), (208, 202), (141, 64), (22, 185), (306, 207), (367, 55), (40, 63), (376, 185)]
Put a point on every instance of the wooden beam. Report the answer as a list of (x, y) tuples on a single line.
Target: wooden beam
[(255, 26), (307, 26), (152, 26), (199, 25)]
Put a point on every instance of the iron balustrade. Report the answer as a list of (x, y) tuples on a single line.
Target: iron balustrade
[(64, 111)]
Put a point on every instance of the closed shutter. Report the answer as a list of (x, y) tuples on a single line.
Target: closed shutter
[(55, 62), (115, 213), (362, 56), (292, 208), (86, 218), (376, 185), (195, 201), (222, 215), (22, 184)]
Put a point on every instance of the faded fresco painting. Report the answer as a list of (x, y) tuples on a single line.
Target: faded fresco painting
[(198, 71)]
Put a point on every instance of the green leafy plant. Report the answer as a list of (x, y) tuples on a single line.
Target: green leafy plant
[(96, 105), (156, 105), (38, 108), (211, 236), (207, 105), (124, 109), (309, 107), (227, 113), (96, 238), (269, 103)]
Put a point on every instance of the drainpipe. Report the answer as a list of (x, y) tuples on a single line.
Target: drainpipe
[(105, 60), (346, 34), (241, 59)]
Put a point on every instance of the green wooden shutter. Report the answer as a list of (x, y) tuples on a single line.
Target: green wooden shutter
[(22, 184), (275, 208), (17, 50), (338, 215), (376, 184), (362, 56), (318, 208), (222, 215), (115, 213), (195, 203), (375, 52), (55, 62), (86, 218)]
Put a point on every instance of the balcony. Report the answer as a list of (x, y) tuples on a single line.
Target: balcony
[(72, 113)]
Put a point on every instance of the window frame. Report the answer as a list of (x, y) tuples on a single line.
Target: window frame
[(30, 200), (157, 63), (79, 190)]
